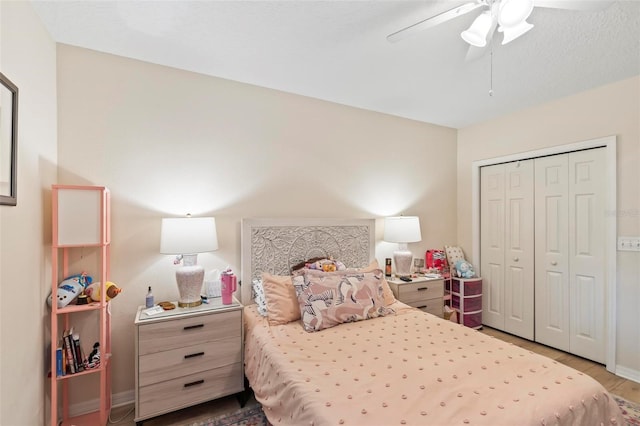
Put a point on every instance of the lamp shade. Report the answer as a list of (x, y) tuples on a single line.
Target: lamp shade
[(402, 229), (514, 12), (477, 33), (188, 235)]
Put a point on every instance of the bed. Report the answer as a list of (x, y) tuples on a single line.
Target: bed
[(403, 367)]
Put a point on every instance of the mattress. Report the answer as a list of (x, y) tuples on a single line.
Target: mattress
[(412, 368)]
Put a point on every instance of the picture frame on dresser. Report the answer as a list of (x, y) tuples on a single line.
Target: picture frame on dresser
[(8, 142)]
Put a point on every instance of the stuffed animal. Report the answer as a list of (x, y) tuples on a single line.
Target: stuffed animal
[(465, 269), (70, 288), (94, 291)]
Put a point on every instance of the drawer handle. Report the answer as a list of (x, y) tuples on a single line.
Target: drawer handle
[(423, 288), (422, 307), (197, 382), (191, 327), (194, 355)]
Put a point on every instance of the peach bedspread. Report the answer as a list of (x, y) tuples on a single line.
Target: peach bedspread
[(412, 368)]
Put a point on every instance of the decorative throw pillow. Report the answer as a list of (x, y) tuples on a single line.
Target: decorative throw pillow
[(282, 303), (258, 291), (327, 299), (453, 255), (389, 298)]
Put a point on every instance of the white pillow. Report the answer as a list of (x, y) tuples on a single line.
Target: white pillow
[(259, 298)]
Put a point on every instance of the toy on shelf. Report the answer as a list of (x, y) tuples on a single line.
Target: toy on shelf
[(94, 291), (70, 288), (93, 361)]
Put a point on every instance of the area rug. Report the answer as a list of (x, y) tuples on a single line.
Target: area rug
[(630, 410), (253, 415), (250, 415)]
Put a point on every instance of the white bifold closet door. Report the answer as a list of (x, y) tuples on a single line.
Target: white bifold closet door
[(507, 262), (570, 258), (542, 250)]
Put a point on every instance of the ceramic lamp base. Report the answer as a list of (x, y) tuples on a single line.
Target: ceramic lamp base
[(189, 279), (403, 260)]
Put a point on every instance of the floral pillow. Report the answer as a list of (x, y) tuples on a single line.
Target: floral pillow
[(454, 254), (259, 298), (327, 299)]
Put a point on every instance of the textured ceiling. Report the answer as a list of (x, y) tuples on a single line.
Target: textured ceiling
[(337, 50)]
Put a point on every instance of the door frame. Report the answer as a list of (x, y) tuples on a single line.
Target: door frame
[(607, 142)]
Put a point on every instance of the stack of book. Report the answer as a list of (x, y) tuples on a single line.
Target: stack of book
[(70, 358)]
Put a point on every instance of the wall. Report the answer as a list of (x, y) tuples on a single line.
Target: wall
[(169, 142), (609, 110), (28, 59)]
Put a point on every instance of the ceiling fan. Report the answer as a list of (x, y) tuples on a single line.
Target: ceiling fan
[(508, 16)]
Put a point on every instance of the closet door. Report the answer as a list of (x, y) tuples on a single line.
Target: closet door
[(570, 259), (519, 249), (587, 292), (492, 249), (552, 252)]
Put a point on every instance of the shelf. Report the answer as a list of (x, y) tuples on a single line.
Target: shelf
[(73, 230), (103, 366), (79, 308)]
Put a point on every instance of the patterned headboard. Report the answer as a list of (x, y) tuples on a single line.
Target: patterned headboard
[(275, 245)]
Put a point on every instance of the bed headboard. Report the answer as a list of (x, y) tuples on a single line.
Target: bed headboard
[(275, 245)]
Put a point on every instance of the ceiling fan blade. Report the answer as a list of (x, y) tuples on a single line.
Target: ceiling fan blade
[(434, 20), (586, 5)]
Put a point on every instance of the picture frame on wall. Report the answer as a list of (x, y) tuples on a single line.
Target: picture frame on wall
[(8, 141)]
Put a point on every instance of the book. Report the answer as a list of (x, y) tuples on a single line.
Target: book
[(77, 351), (59, 362), (68, 347)]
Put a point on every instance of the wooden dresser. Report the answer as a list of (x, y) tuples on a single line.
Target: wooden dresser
[(422, 293), (187, 356)]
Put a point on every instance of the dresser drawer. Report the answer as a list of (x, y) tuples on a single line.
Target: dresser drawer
[(432, 306), (160, 366), (181, 392), (420, 291), (177, 333)]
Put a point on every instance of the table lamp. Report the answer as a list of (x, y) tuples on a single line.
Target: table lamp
[(402, 230), (186, 237)]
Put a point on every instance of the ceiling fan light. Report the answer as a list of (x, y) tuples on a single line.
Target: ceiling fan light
[(512, 33), (476, 34), (514, 12)]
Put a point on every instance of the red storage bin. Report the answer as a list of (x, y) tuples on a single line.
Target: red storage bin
[(473, 320), (472, 286)]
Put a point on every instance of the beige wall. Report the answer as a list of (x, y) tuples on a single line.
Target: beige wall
[(28, 59), (610, 110), (168, 142)]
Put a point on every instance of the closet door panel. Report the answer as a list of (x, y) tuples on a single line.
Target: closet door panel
[(552, 252), (587, 256), (492, 232), (519, 249)]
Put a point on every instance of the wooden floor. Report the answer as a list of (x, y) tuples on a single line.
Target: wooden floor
[(627, 389)]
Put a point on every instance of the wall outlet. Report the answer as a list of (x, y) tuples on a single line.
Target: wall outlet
[(628, 243)]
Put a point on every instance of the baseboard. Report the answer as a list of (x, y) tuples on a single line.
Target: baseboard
[(628, 373), (117, 400)]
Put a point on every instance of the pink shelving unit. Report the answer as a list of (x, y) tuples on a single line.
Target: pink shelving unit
[(80, 222)]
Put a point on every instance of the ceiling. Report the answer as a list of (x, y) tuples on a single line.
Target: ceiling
[(337, 50)]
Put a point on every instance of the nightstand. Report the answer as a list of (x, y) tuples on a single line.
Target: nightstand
[(186, 356), (423, 293)]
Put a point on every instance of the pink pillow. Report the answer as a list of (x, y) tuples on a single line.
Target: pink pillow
[(282, 303)]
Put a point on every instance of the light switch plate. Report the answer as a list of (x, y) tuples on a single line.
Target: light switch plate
[(628, 243)]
